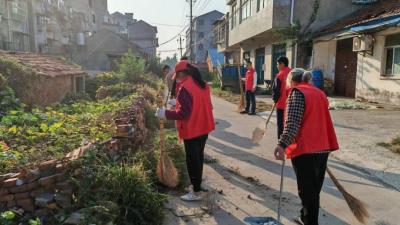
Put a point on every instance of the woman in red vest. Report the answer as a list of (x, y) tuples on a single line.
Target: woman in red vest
[(279, 91), (195, 120), (307, 140), (250, 88)]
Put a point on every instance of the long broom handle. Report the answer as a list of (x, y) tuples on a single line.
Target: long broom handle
[(281, 191), (240, 80), (270, 115)]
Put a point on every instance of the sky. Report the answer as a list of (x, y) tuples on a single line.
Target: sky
[(170, 17)]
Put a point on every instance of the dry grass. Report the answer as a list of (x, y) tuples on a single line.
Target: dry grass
[(235, 99), (393, 146)]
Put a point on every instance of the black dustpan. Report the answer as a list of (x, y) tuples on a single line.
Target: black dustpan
[(261, 221)]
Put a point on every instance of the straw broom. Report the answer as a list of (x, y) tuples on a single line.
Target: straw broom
[(356, 206), (166, 171), (259, 132), (241, 103)]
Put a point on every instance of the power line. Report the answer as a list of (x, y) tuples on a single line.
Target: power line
[(173, 38), (167, 25)]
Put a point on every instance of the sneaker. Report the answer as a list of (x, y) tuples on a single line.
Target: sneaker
[(252, 114), (244, 112), (191, 197)]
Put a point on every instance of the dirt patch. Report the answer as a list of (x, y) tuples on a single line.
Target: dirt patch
[(393, 146)]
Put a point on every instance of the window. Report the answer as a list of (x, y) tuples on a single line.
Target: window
[(201, 34), (94, 18), (91, 3), (261, 4), (245, 10), (200, 47), (201, 22), (392, 49), (234, 16)]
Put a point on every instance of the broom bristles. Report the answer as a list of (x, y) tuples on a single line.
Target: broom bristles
[(166, 172), (258, 135), (357, 207), (241, 104)]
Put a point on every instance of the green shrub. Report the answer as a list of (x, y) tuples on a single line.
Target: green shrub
[(8, 101), (102, 79), (117, 91), (71, 98), (131, 68), (154, 66)]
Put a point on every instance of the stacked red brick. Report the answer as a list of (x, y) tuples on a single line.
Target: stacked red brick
[(40, 189)]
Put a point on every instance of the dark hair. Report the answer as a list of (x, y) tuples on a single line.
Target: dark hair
[(166, 67), (283, 60), (248, 62), (196, 75), (184, 58), (173, 89)]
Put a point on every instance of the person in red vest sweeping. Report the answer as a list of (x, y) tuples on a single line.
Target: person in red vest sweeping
[(279, 91), (250, 87), (307, 139), (194, 119)]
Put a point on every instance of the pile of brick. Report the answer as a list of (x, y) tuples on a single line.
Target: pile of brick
[(42, 189)]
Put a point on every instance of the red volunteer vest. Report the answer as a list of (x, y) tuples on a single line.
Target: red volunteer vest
[(250, 79), (201, 120), (282, 76), (317, 132)]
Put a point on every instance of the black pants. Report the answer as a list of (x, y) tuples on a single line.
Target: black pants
[(194, 160), (310, 172), (280, 121), (250, 102)]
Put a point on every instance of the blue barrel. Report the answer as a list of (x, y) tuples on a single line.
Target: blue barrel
[(318, 78)]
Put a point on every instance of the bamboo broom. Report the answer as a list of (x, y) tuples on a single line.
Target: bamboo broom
[(259, 132), (356, 206), (166, 171), (241, 104)]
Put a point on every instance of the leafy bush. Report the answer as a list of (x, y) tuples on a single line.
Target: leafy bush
[(117, 91), (102, 79), (154, 66), (131, 68), (20, 78), (8, 101), (71, 98)]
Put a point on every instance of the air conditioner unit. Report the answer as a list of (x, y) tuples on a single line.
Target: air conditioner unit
[(363, 43)]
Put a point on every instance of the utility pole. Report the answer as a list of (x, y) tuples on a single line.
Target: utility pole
[(191, 30), (180, 45)]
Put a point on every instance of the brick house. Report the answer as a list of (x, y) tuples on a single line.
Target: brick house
[(41, 79)]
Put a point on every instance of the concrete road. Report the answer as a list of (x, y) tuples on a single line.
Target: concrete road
[(247, 178)]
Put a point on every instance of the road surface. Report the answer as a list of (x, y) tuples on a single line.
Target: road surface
[(247, 178)]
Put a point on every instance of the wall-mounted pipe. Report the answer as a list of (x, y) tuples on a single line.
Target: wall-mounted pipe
[(293, 24)]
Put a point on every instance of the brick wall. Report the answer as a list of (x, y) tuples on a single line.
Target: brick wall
[(46, 187)]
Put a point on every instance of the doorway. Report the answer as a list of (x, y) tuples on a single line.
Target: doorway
[(260, 61), (346, 69)]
